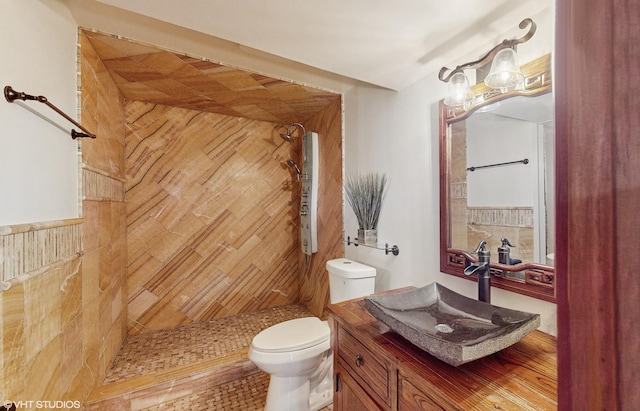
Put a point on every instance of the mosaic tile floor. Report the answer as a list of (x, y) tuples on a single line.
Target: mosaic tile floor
[(145, 353), (247, 394), (165, 349)]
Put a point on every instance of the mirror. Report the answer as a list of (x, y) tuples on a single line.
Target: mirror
[(497, 181)]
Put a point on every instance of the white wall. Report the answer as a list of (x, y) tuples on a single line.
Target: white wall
[(397, 133), (495, 139), (38, 160)]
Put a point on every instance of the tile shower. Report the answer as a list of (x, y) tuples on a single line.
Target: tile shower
[(66, 320)]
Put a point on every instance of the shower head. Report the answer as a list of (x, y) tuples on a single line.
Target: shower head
[(287, 137), (292, 164)]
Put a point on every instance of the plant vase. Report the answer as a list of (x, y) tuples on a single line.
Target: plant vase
[(364, 193), (368, 237)]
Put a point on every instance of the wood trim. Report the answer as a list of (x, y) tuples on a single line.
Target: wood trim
[(445, 177), (539, 279), (597, 155), (24, 228)]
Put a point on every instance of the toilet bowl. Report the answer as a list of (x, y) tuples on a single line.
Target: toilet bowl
[(297, 353)]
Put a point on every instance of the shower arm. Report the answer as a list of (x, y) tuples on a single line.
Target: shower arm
[(11, 95), (287, 137), (296, 124)]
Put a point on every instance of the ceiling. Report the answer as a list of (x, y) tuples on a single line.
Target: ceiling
[(383, 43), (146, 73)]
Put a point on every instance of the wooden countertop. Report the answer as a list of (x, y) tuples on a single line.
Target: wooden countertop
[(522, 376)]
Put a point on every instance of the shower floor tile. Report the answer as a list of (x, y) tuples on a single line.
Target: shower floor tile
[(162, 349)]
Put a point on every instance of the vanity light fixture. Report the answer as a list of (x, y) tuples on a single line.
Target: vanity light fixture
[(505, 73), (459, 90)]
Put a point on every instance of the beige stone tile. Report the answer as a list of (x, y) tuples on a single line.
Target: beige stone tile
[(91, 336), (12, 371), (104, 224), (117, 301), (42, 373), (81, 385), (105, 313), (90, 211), (71, 358), (90, 276), (140, 303), (121, 403), (42, 311), (71, 291), (105, 276), (159, 395)]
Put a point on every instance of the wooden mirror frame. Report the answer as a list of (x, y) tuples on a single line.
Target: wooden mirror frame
[(539, 279)]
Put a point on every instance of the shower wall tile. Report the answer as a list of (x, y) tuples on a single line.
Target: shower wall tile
[(42, 373), (101, 320), (42, 312), (70, 293), (507, 216), (37, 311), (492, 224), (212, 225), (225, 194), (71, 360), (147, 73), (13, 342), (458, 193)]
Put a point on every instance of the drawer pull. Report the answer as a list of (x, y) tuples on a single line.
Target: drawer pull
[(359, 360)]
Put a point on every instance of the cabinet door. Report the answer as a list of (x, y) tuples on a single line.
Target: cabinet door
[(368, 368), (350, 396), (412, 398)]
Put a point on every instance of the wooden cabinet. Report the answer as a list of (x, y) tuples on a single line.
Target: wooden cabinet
[(376, 369), (412, 398), (370, 370), (350, 396)]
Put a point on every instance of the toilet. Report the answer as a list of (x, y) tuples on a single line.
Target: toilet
[(297, 353)]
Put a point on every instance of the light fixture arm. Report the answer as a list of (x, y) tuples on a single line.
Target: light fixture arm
[(492, 53)]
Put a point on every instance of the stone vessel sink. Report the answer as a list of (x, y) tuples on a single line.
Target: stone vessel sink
[(449, 326)]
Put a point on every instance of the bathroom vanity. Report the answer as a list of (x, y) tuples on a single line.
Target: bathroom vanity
[(376, 369)]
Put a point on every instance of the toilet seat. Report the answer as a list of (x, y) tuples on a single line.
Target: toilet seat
[(292, 335)]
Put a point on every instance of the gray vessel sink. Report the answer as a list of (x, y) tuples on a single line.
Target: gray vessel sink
[(449, 326)]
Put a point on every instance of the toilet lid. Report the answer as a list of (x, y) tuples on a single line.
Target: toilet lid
[(292, 335)]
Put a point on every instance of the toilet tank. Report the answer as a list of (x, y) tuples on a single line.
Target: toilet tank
[(349, 279)]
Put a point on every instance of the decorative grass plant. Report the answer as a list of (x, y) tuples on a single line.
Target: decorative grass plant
[(365, 193)]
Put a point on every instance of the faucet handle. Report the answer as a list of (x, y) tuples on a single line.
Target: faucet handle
[(505, 242), (481, 247)]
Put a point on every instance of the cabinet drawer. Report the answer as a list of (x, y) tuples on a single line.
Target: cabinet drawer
[(372, 374)]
